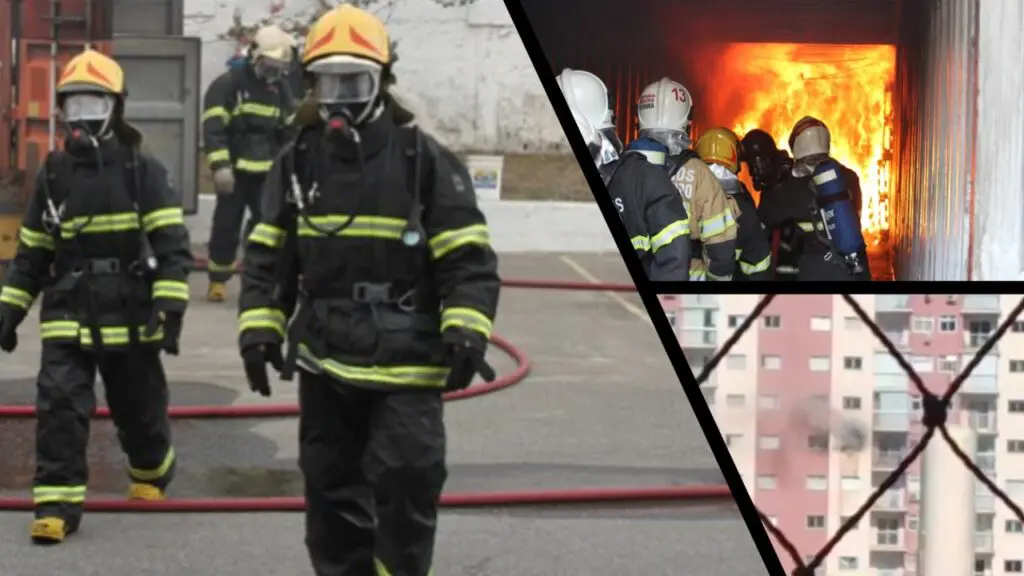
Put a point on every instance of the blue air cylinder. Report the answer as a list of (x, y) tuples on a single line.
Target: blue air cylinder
[(837, 214)]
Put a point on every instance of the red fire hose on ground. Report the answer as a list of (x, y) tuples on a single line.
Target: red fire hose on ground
[(683, 493)]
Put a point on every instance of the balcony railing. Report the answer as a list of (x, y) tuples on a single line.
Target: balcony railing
[(892, 303), (975, 340), (698, 337), (891, 421), (888, 540), (981, 303), (891, 501), (983, 542), (888, 459), (979, 421), (700, 300)]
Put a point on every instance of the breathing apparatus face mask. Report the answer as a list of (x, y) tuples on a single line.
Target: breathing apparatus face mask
[(347, 92), (88, 116), (675, 140), (270, 70)]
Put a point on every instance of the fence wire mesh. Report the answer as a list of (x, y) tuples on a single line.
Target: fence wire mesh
[(935, 410)]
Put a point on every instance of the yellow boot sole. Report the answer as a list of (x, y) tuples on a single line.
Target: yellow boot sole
[(48, 531), (217, 292), (146, 492)]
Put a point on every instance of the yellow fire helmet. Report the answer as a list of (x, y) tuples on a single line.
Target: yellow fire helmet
[(720, 146), (348, 31), (92, 71)]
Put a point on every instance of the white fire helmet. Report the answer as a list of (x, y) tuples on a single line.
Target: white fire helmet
[(587, 95), (665, 105), (810, 137)]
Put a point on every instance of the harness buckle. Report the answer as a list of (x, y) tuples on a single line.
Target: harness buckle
[(101, 266), (372, 293)]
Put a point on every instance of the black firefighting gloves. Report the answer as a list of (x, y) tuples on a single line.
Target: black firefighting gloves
[(466, 352), (255, 359), (172, 325), (10, 318)]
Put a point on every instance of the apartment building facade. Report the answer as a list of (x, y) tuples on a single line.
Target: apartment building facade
[(809, 355)]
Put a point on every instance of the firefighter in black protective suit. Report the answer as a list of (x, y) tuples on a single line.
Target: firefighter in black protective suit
[(245, 114), (371, 235), (104, 240), (769, 167), (790, 204), (642, 193)]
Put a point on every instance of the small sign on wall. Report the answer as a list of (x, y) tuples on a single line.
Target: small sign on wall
[(486, 174)]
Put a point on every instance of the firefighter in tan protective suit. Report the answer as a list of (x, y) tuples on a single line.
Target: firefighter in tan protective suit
[(664, 112)]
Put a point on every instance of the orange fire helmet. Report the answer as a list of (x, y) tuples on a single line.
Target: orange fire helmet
[(92, 71), (349, 31), (720, 146)]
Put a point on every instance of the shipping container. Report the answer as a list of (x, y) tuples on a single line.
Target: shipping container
[(949, 172), (161, 70)]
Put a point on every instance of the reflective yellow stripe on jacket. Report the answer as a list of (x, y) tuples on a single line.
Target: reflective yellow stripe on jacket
[(16, 297), (99, 224), (262, 319), (460, 317), (717, 224), (411, 376), (112, 335)]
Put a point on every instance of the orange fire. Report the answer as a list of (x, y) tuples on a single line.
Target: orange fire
[(771, 86)]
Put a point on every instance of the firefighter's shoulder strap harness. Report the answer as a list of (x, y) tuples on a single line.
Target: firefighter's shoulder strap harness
[(58, 176), (299, 197)]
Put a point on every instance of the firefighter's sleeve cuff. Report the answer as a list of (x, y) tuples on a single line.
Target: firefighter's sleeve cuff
[(448, 241), (171, 295), (261, 326), (17, 298), (218, 159), (467, 319)]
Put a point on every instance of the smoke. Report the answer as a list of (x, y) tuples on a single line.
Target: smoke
[(846, 434)]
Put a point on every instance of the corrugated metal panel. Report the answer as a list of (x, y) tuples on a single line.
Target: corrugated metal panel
[(632, 44), (930, 214), (79, 19), (149, 17), (162, 74), (999, 206)]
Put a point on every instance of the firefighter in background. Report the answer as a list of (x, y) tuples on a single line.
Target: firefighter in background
[(647, 202), (104, 240), (720, 149), (664, 110), (822, 199), (244, 127), (372, 250), (769, 167)]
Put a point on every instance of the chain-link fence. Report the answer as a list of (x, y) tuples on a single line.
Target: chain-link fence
[(935, 410)]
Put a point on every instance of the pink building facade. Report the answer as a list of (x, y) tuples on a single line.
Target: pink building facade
[(808, 363)]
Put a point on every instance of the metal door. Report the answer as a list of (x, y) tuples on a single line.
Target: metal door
[(162, 77)]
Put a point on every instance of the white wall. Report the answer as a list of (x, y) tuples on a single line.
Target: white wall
[(466, 65)]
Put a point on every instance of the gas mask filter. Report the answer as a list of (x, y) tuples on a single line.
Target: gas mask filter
[(88, 117)]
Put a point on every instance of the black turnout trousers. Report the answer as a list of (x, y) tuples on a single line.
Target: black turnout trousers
[(374, 467), (228, 215), (137, 394)]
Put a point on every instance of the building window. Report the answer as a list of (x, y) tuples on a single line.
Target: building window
[(848, 563), (1016, 366), (852, 323), (821, 324), (671, 315), (913, 523), (1014, 527), (843, 520), (819, 364), (947, 323), (816, 483), (767, 482), (736, 362), (922, 364), (768, 401), (1015, 446), (769, 442), (853, 363), (1018, 326), (735, 400), (773, 322), (769, 362), (817, 442), (816, 522), (850, 483), (949, 364), (922, 324), (734, 320), (851, 402), (1015, 406), (1013, 566)]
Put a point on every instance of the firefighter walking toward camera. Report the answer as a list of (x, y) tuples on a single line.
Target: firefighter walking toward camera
[(244, 126), (720, 149), (104, 241), (822, 199), (664, 111), (372, 251), (641, 191)]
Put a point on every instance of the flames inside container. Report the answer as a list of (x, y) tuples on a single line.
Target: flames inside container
[(849, 87)]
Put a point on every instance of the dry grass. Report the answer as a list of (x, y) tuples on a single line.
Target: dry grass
[(526, 177)]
